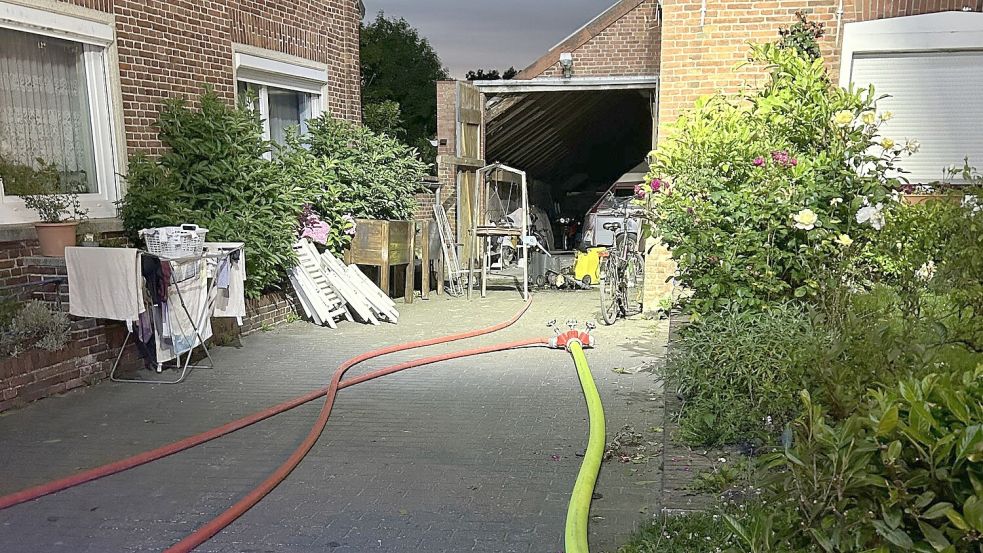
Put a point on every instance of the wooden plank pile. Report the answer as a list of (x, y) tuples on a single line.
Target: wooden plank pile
[(330, 291)]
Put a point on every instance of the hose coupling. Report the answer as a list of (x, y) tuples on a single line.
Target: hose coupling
[(563, 340)]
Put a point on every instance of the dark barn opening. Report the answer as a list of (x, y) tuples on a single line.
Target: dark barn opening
[(573, 145)]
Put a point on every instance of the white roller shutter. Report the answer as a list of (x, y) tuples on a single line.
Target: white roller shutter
[(936, 98)]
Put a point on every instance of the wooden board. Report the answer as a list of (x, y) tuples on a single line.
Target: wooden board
[(381, 304), (322, 296), (338, 281)]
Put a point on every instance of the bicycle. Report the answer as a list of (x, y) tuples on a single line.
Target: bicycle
[(622, 273)]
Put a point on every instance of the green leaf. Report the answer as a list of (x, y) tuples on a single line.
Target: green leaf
[(934, 536), (896, 536), (938, 510), (956, 519), (973, 512), (888, 421)]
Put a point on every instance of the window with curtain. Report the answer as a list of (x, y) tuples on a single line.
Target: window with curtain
[(281, 108), (46, 118)]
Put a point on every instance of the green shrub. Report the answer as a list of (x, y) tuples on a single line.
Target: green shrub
[(218, 172), (35, 325), (932, 256), (739, 370), (684, 533), (739, 373), (759, 194), (384, 117), (214, 174), (378, 174), (907, 476)]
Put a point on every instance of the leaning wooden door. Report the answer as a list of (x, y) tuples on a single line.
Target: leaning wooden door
[(469, 160)]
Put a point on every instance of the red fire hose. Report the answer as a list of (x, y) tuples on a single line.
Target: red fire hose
[(218, 523), (226, 518)]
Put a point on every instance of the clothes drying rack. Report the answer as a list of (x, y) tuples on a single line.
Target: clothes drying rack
[(206, 260)]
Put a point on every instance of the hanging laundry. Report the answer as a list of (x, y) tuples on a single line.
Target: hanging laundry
[(104, 283), (153, 273), (185, 310), (231, 300)]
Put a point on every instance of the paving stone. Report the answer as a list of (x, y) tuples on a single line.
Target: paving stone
[(458, 456)]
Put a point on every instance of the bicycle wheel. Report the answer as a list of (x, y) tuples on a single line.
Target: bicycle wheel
[(609, 290), (635, 282)]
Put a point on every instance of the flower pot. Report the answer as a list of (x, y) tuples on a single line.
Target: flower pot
[(55, 237), (917, 199)]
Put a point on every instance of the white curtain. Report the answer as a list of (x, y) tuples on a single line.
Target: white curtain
[(44, 107), (288, 108)]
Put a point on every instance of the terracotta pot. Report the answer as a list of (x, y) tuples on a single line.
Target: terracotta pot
[(55, 237)]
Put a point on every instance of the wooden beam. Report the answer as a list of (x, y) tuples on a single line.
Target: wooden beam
[(444, 159)]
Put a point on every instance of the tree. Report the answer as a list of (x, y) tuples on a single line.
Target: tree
[(384, 117), (491, 74), (398, 65)]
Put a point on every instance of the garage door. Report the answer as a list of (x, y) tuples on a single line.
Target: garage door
[(936, 98)]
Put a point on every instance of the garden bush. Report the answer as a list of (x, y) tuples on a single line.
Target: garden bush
[(214, 173), (907, 476), (765, 196), (34, 325), (220, 173), (739, 373), (378, 174)]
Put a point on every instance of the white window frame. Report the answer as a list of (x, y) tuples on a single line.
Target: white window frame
[(96, 32), (266, 68)]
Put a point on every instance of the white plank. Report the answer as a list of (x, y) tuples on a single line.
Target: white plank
[(377, 299), (322, 296), (338, 282)]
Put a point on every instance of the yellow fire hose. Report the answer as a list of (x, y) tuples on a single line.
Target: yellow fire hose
[(575, 536)]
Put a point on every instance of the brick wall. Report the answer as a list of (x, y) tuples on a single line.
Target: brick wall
[(622, 41), (13, 269), (629, 46), (87, 359), (699, 60), (447, 146), (170, 48)]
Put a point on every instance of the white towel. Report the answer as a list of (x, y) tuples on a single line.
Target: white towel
[(179, 319), (104, 283)]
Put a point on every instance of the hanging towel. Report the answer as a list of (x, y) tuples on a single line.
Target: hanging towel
[(185, 310), (104, 283)]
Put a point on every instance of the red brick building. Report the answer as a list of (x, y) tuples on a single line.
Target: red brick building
[(81, 84), (561, 119)]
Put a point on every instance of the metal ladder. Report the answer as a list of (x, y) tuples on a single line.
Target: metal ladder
[(454, 280)]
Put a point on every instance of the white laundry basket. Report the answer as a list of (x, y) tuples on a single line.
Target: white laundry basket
[(176, 242)]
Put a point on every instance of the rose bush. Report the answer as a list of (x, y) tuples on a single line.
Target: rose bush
[(766, 192)]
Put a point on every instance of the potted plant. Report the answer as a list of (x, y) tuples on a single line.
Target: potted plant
[(59, 212), (944, 190)]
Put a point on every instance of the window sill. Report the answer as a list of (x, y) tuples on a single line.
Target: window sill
[(25, 231)]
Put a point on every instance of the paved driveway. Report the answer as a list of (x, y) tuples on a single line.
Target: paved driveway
[(476, 454)]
